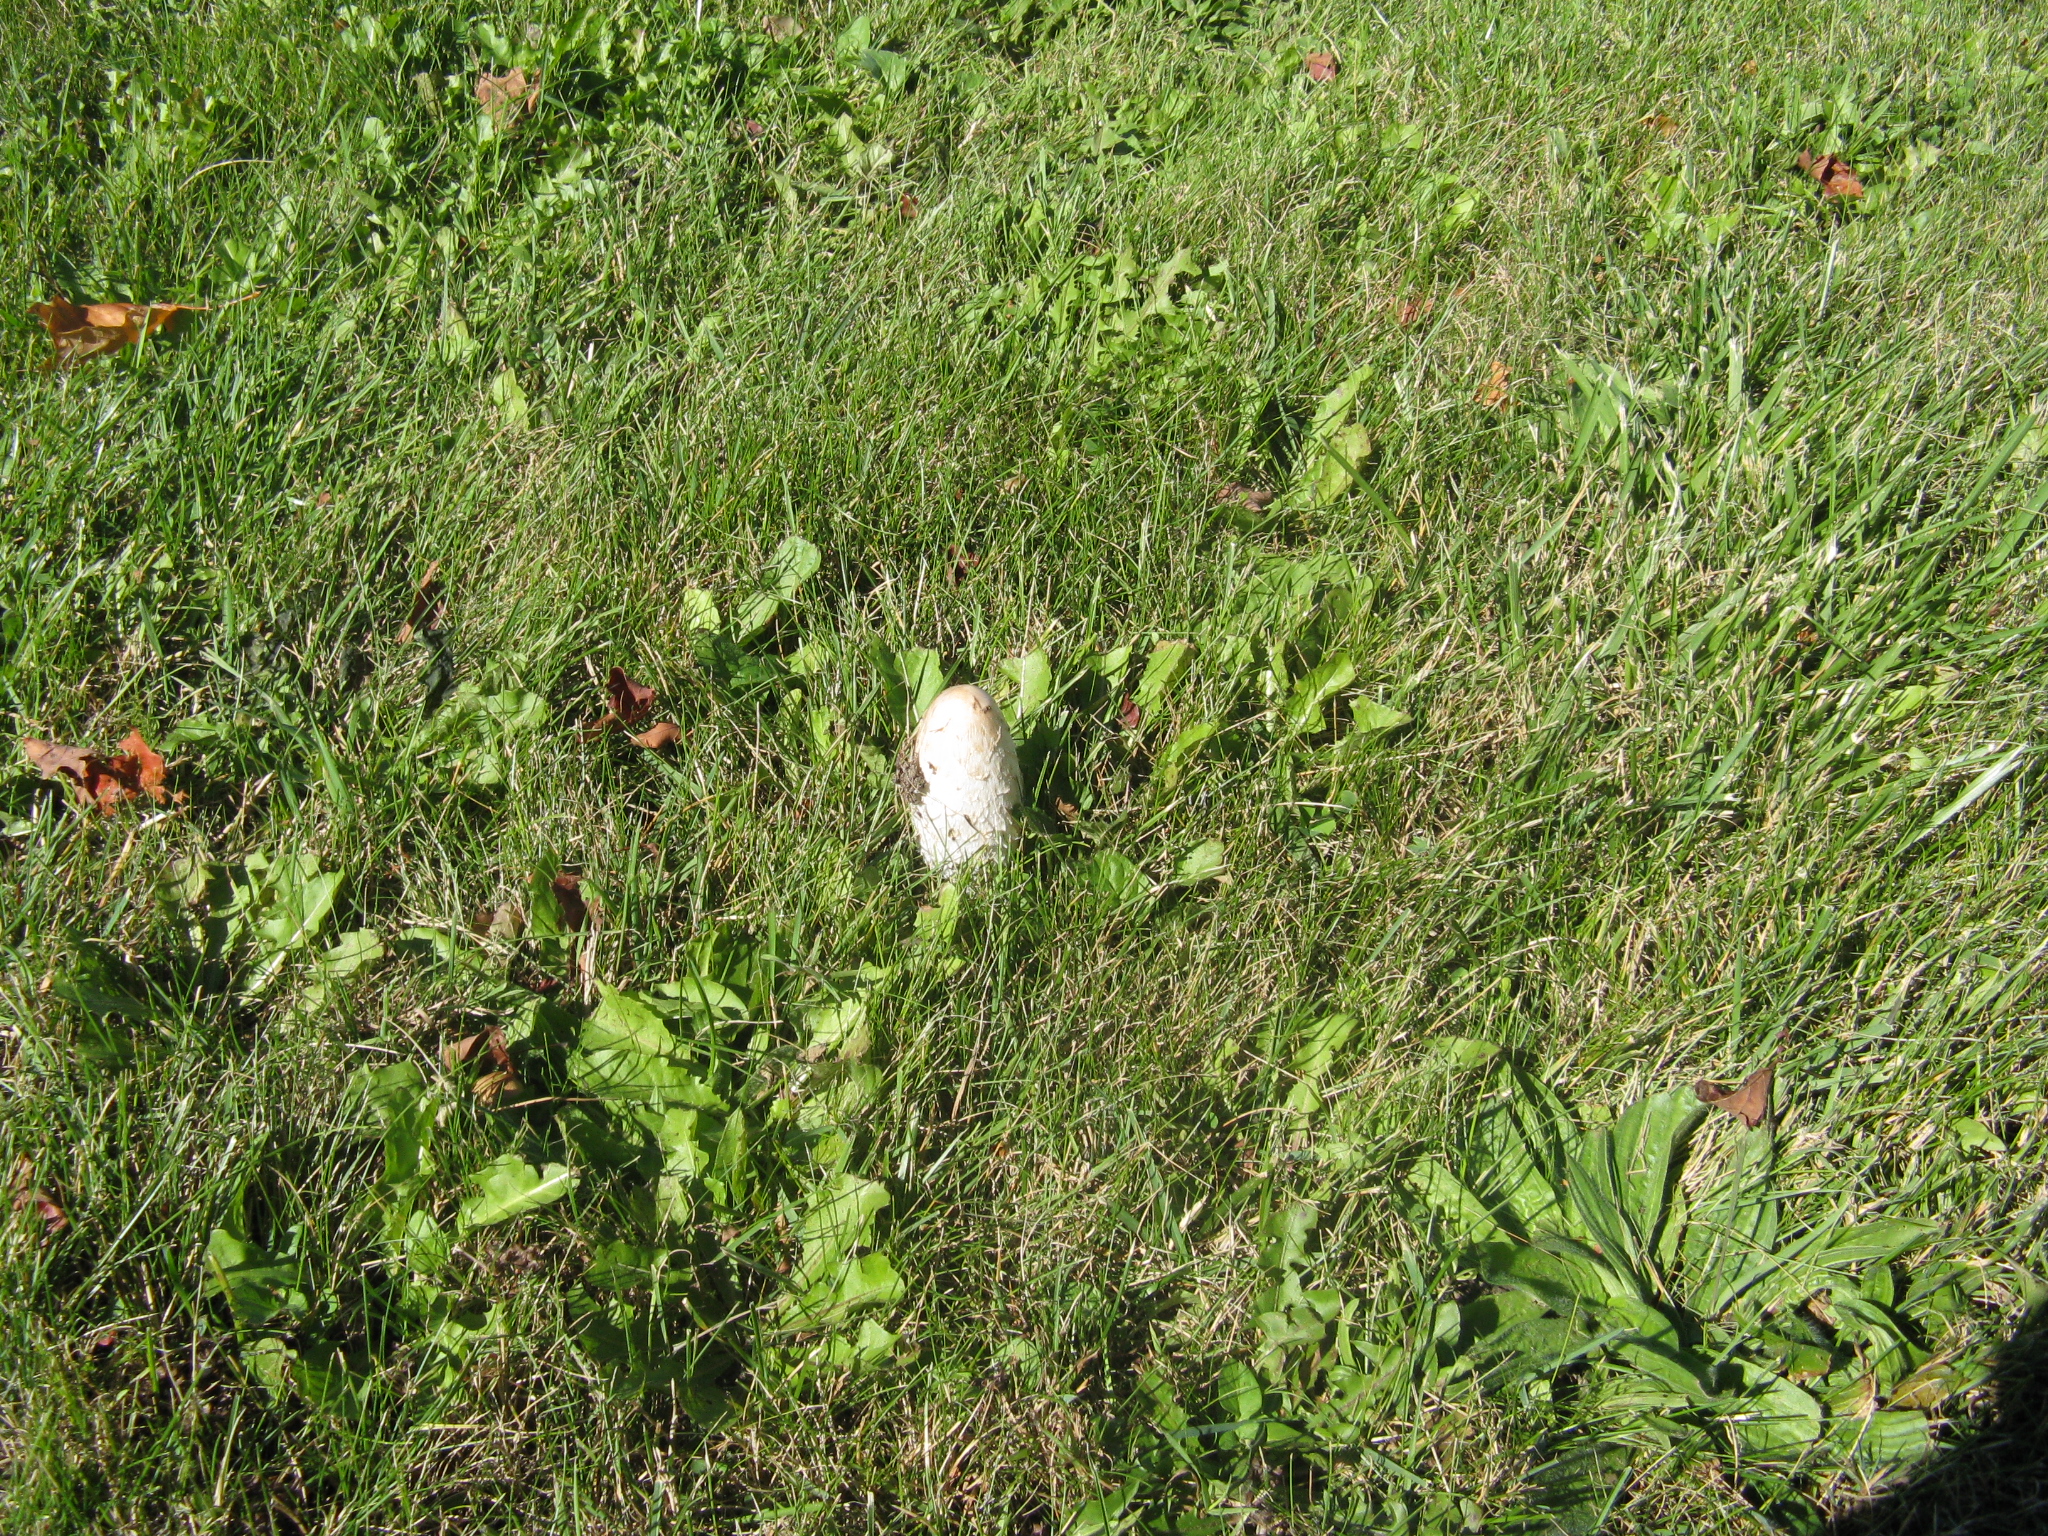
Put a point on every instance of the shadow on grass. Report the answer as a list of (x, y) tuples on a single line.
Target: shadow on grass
[(1991, 1479)]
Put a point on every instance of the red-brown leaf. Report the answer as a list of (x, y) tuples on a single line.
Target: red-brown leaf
[(1128, 715), (146, 766), (96, 780), (1835, 175), (631, 701), (569, 897), (658, 737), (1321, 66), (429, 607), (1748, 1103)]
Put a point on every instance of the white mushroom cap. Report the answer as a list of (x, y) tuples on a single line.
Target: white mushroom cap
[(959, 781)]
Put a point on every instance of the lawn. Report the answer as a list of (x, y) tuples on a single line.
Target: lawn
[(1510, 540)]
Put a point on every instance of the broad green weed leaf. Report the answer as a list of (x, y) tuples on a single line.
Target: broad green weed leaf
[(1463, 1053), (697, 611), (637, 1076), (1304, 712), (860, 1284), (1179, 753), (911, 679), (1033, 675), (304, 900), (510, 1186), (257, 1285), (100, 985), (1116, 880), (1203, 862), (424, 1247), (1568, 1279), (350, 953), (624, 1022), (1371, 721), (1334, 409), (1341, 463), (838, 1028), (1874, 1242), (1464, 1215), (837, 1220), (1164, 668), (1284, 1235), (1314, 1055), (794, 562)]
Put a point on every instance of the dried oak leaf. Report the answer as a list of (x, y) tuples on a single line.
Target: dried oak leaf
[(1321, 66), (1834, 174), (107, 782), (429, 604), (82, 331), (1494, 392), (658, 737), (505, 98), (143, 766)]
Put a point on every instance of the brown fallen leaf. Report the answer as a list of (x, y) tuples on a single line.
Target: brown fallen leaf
[(28, 1197), (1320, 66), (958, 563), (569, 897), (658, 737), (429, 605), (108, 782), (631, 701), (1834, 174), (1494, 392), (1014, 484), (493, 1086), (906, 207), (1128, 714), (782, 28), (1666, 126), (1751, 1102), (1244, 496), (146, 767), (1410, 310), (82, 331), (507, 97)]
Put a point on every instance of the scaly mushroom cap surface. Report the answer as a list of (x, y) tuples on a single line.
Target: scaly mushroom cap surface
[(957, 774)]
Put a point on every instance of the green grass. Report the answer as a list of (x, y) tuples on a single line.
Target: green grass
[(1586, 721)]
